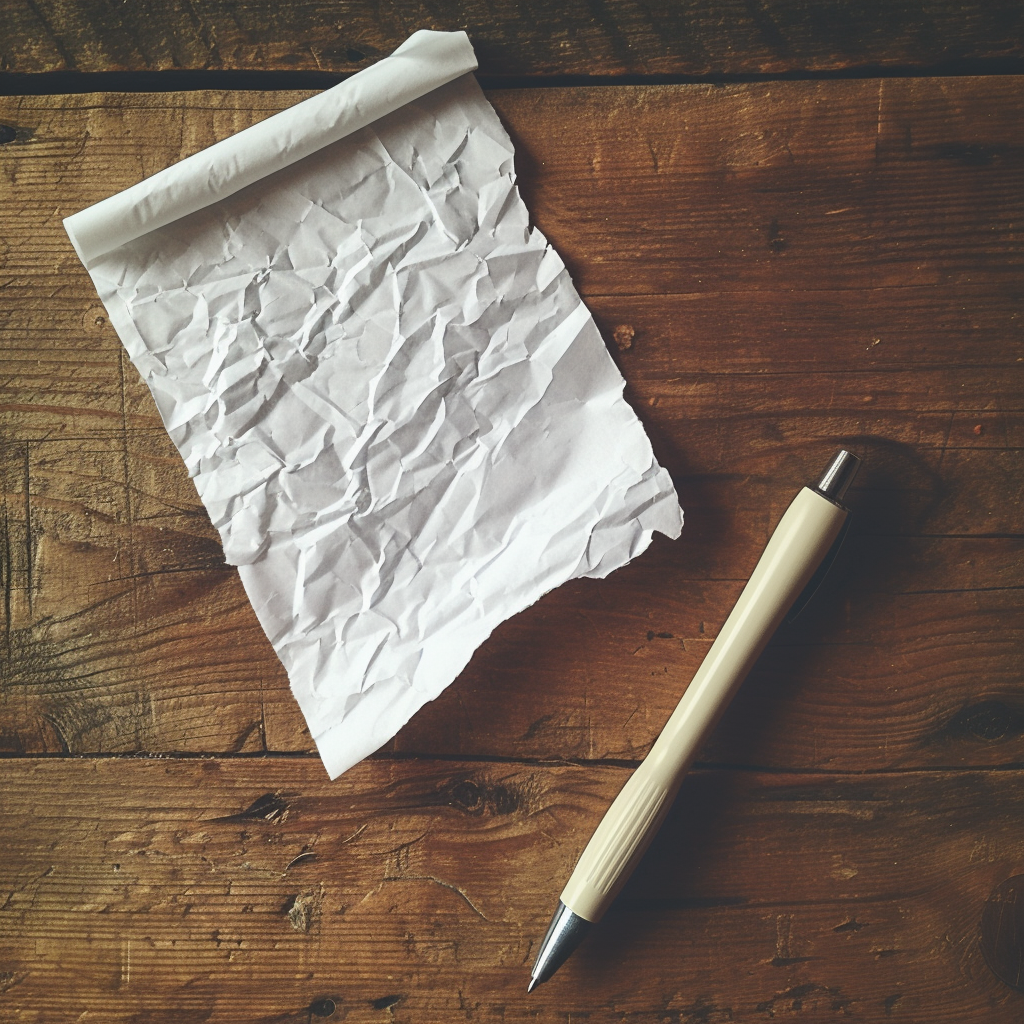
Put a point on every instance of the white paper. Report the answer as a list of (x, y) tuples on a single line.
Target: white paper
[(396, 408)]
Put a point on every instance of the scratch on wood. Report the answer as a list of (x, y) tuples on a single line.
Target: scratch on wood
[(263, 715), (65, 747), (356, 834), (536, 726), (853, 925), (28, 531), (129, 518), (945, 439), (446, 885), (878, 121), (243, 738), (271, 807), (8, 570)]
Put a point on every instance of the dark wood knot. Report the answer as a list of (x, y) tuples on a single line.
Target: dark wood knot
[(482, 798), (986, 720)]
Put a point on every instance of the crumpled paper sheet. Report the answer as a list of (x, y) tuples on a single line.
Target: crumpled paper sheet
[(395, 407)]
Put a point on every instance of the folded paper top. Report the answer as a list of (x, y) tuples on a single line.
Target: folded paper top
[(425, 61)]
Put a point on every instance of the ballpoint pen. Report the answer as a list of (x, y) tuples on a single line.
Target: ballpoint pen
[(792, 565)]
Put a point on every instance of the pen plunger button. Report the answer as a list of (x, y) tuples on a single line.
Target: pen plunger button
[(836, 480)]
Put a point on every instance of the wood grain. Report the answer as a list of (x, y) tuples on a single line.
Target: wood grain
[(530, 38), (124, 630), (777, 269), (210, 890), (812, 185)]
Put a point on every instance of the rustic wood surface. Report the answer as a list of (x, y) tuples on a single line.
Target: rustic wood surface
[(525, 38), (778, 268), (242, 890), (747, 359)]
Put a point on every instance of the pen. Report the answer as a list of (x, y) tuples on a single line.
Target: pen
[(808, 532)]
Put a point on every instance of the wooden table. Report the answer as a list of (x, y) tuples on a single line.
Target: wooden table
[(785, 256)]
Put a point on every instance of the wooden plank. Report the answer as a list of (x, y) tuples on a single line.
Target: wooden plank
[(177, 662), (124, 632), (808, 185), (208, 890), (531, 38), (908, 684), (174, 660), (816, 186)]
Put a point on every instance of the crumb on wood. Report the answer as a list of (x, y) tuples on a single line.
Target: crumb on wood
[(302, 912), (623, 335)]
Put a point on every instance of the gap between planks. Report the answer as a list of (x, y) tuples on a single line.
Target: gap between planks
[(526, 762)]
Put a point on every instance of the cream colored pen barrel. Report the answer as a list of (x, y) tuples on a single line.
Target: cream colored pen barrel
[(796, 549)]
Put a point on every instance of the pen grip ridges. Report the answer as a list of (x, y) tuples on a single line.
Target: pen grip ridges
[(625, 834)]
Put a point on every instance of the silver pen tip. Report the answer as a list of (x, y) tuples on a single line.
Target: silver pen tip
[(531, 986), (565, 933)]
